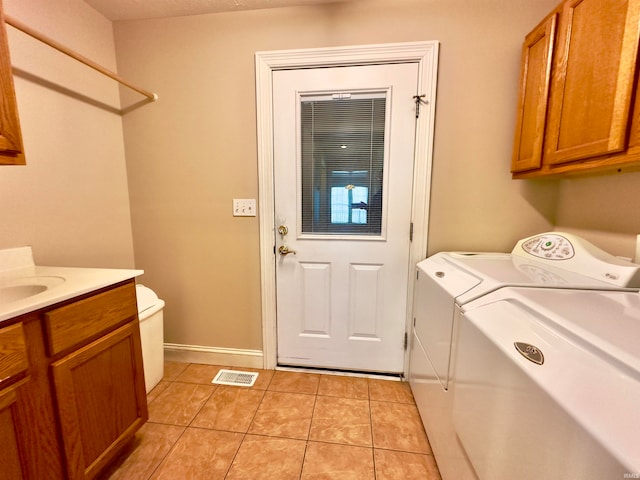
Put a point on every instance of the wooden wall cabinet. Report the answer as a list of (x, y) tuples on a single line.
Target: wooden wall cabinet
[(11, 150), (535, 78), (83, 397), (589, 120)]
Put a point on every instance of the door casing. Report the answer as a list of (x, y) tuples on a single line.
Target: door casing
[(425, 54)]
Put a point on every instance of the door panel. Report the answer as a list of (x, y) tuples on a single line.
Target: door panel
[(343, 190), (315, 287), (366, 285)]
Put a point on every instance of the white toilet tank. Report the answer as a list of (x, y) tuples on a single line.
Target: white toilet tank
[(150, 309)]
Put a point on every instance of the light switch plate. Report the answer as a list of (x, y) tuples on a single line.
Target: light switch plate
[(244, 207)]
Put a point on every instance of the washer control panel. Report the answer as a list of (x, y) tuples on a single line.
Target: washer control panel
[(572, 253), (549, 246)]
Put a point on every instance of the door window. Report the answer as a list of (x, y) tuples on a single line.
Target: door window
[(342, 163)]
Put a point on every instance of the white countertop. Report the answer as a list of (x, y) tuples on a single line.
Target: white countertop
[(63, 283)]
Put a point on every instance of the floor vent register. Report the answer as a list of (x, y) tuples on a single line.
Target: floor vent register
[(235, 378)]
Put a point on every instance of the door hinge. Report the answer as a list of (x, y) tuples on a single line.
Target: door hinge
[(411, 232), (406, 341)]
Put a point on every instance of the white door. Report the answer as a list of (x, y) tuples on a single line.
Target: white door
[(343, 162)]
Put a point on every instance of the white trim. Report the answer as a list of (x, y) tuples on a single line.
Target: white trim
[(231, 357), (423, 53)]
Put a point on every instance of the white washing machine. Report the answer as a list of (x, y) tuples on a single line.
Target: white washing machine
[(450, 280), (547, 384)]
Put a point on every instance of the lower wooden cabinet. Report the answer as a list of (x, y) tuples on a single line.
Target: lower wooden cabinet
[(12, 451), (71, 405), (14, 364), (101, 399), (36, 409)]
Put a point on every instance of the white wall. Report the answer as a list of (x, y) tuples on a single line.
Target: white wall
[(70, 202)]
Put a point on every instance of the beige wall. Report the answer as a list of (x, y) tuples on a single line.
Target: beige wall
[(605, 210), (70, 203), (194, 150)]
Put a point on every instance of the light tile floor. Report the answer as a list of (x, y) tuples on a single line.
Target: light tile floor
[(289, 425)]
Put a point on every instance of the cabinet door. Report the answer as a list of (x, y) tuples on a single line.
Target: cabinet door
[(535, 76), (36, 411), (594, 69), (10, 457), (101, 399), (10, 136)]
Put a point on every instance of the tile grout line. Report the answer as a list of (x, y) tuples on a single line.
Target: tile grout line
[(186, 427), (244, 434), (306, 443), (373, 445), (173, 446)]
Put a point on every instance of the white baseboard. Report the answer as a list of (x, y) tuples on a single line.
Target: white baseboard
[(231, 357)]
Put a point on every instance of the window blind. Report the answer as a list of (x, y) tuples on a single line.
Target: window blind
[(342, 162)]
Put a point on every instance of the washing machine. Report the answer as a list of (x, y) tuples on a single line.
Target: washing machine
[(449, 280), (547, 384)]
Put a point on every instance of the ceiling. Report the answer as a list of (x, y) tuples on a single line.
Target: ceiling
[(140, 9)]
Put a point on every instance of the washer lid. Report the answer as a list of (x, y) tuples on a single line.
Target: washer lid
[(606, 322), (467, 275)]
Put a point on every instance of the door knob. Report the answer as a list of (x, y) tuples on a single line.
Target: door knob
[(284, 250), (283, 230)]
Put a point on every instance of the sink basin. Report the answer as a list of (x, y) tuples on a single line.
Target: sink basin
[(25, 287), (18, 292)]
